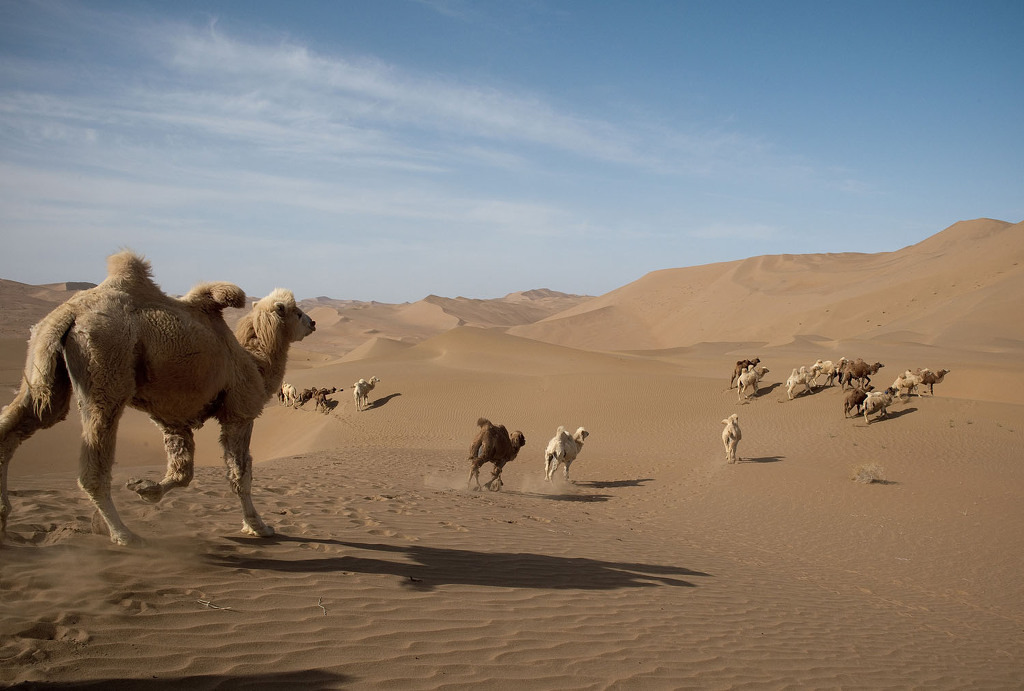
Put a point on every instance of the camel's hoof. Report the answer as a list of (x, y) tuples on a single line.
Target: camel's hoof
[(147, 489), (262, 530), (124, 537), (129, 540)]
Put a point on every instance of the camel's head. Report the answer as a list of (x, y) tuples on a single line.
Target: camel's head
[(518, 440), (297, 324), (580, 435), (731, 419)]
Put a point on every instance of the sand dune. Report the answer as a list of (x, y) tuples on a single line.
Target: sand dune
[(660, 566), (955, 288)]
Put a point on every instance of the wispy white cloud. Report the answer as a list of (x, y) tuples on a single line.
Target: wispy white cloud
[(194, 131)]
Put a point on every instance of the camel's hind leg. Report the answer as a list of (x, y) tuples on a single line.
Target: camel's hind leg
[(474, 474), (181, 449), (550, 465), (19, 421), (495, 484), (99, 434), (235, 439)]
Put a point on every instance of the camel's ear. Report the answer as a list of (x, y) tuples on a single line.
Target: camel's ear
[(586, 434), (280, 308)]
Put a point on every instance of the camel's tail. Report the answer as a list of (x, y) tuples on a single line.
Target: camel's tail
[(46, 377)]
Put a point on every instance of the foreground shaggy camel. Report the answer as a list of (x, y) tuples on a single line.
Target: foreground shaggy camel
[(126, 343), (493, 444), (563, 449), (731, 436)]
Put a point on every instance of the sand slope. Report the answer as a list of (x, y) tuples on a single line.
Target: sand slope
[(956, 288), (660, 566)]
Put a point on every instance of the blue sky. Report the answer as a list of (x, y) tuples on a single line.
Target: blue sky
[(389, 149)]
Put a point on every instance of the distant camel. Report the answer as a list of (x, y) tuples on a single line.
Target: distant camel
[(749, 379), (361, 391), (741, 367), (125, 343), (493, 444), (731, 436), (930, 379)]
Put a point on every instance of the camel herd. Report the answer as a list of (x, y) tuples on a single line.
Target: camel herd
[(125, 343), (860, 399)]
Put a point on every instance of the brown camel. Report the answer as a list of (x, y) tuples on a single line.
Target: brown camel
[(493, 444)]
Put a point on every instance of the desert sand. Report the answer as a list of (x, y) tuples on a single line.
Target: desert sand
[(658, 566)]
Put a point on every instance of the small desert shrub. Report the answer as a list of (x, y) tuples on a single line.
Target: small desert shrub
[(867, 473)]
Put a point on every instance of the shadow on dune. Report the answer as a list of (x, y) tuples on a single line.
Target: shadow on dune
[(306, 679), (762, 459), (889, 415), (563, 497), (764, 390), (381, 402), (425, 568), (610, 484)]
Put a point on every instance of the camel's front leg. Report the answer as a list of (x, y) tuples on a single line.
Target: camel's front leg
[(181, 450), (235, 438)]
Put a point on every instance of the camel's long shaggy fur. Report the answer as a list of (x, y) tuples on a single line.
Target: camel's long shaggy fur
[(563, 449), (126, 343), (493, 444)]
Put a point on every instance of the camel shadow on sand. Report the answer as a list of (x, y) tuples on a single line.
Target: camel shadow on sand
[(762, 459), (889, 415), (381, 402), (562, 496), (611, 484), (304, 679), (426, 568)]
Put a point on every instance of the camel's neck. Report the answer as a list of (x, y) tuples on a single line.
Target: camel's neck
[(271, 365)]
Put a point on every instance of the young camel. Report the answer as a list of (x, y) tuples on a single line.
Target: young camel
[(493, 444), (731, 436), (125, 343)]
